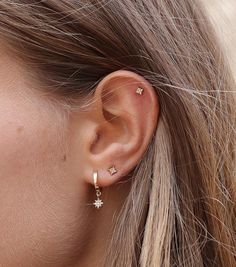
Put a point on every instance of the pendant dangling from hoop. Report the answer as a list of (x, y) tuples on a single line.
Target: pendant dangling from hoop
[(98, 202)]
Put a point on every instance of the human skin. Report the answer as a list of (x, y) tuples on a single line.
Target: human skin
[(47, 159)]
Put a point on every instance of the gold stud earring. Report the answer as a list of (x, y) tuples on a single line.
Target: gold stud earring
[(139, 90), (112, 170), (98, 202)]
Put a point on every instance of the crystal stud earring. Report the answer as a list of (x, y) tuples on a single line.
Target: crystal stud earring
[(139, 91), (112, 170)]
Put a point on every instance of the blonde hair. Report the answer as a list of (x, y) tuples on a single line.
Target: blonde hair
[(181, 207)]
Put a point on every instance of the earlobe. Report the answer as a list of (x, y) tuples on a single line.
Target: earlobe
[(126, 117)]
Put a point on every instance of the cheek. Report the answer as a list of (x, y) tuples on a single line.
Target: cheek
[(27, 151), (26, 138), (40, 200), (30, 166), (40, 197)]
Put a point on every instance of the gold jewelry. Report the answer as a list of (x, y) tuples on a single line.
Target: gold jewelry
[(139, 90), (112, 170), (98, 202)]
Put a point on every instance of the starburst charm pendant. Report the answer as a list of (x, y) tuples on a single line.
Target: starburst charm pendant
[(98, 203)]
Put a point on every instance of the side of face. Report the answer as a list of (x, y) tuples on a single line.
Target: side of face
[(48, 155), (40, 195)]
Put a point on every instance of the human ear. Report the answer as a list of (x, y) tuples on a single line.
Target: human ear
[(118, 127)]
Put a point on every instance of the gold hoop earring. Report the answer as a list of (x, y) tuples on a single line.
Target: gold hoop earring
[(98, 202)]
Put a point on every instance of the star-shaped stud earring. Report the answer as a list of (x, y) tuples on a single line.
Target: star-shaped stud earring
[(112, 170), (98, 203), (139, 90)]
